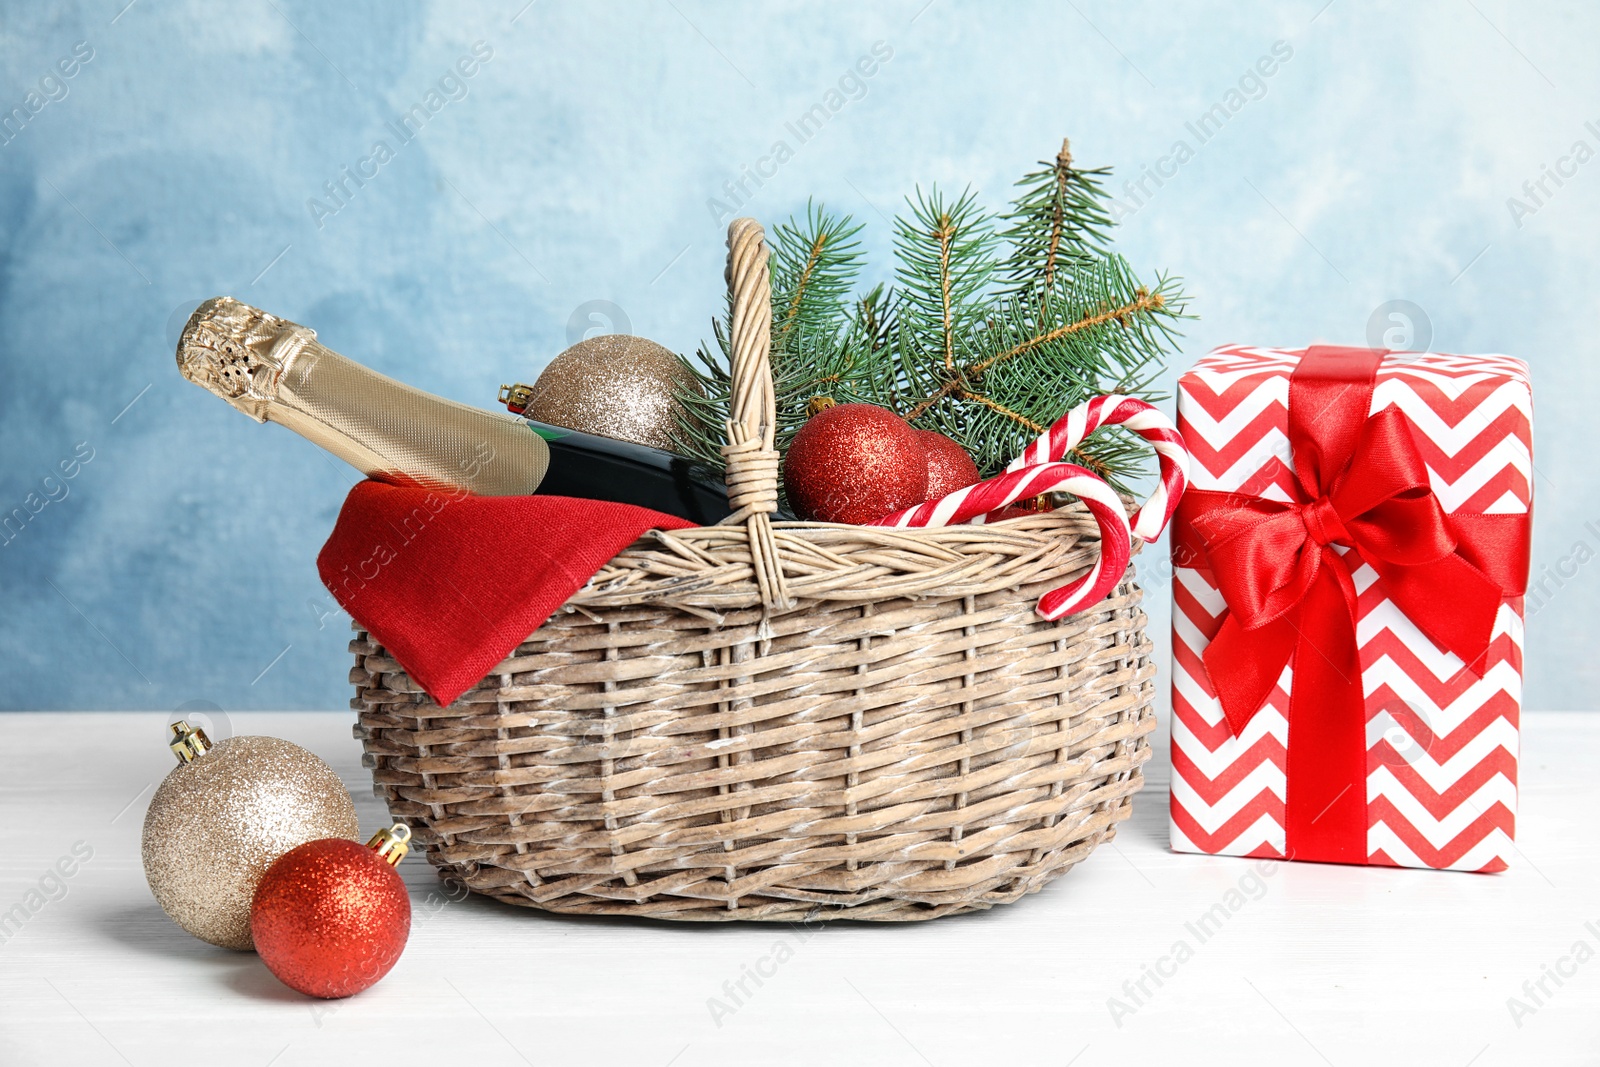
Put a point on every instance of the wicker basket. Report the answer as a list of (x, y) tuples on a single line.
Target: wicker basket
[(783, 721)]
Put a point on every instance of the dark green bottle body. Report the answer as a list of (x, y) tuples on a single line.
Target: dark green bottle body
[(602, 468)]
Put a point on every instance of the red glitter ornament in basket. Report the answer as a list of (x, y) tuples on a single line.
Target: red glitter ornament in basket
[(331, 917), (1039, 469), (852, 462)]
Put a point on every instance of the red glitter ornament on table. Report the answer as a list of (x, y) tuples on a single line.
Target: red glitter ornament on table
[(949, 466), (331, 917), (854, 463)]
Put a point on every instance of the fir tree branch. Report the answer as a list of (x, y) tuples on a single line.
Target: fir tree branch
[(987, 336), (1142, 301), (946, 254), (1058, 222), (1092, 463), (1058, 211), (817, 245), (1019, 419), (942, 234), (949, 388), (870, 321), (814, 263)]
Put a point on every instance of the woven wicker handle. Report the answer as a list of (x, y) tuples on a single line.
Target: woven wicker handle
[(750, 458)]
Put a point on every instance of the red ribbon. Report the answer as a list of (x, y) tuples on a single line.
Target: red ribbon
[(1361, 484)]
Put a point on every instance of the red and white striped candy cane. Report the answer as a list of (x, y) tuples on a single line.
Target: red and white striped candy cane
[(1069, 431), (1039, 469), (994, 494)]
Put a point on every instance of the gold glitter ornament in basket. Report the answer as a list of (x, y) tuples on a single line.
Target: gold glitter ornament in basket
[(783, 721), (614, 385), (223, 815)]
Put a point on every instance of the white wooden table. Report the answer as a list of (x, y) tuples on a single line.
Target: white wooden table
[(1318, 965)]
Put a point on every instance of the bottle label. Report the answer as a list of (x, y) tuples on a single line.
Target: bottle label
[(549, 433)]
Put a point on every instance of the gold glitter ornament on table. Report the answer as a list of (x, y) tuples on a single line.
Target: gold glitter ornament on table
[(615, 385), (223, 815)]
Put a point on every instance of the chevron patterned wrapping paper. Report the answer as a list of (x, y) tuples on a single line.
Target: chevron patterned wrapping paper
[(1441, 777)]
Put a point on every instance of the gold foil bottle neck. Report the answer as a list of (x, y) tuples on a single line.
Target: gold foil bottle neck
[(276, 370), (240, 353)]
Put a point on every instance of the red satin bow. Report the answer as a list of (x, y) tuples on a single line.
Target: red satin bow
[(1362, 485)]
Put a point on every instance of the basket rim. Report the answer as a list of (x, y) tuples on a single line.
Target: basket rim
[(710, 567)]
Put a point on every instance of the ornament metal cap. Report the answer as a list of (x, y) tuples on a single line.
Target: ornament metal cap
[(188, 742), (390, 844), (516, 398)]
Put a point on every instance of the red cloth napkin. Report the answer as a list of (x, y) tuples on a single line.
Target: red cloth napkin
[(451, 584)]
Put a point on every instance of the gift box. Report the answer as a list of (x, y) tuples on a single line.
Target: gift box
[(1349, 564)]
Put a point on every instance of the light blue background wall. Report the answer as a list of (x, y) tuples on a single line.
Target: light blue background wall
[(1376, 166)]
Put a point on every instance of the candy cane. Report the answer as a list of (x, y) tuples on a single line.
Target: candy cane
[(1070, 430), (1039, 469), (980, 500)]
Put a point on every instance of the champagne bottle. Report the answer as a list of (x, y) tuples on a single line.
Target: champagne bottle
[(276, 371)]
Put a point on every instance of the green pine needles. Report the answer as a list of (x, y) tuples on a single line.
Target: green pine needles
[(993, 327)]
